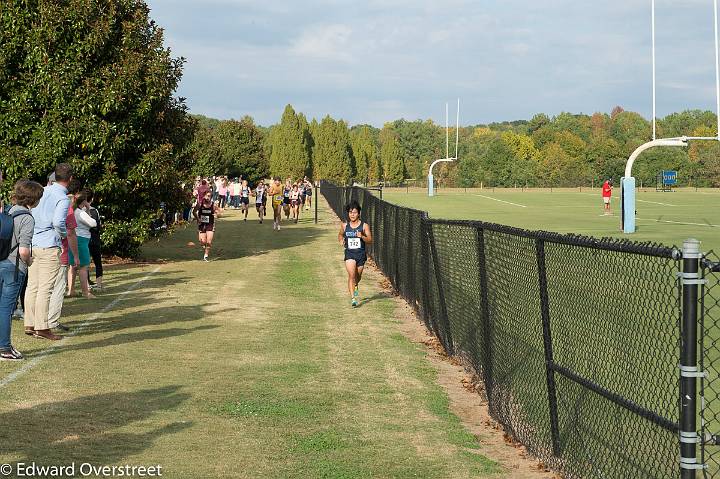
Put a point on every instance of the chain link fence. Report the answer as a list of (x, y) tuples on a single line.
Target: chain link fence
[(710, 362), (576, 339)]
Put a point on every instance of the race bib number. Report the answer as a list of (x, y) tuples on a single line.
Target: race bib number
[(278, 198), (204, 219), (353, 243)]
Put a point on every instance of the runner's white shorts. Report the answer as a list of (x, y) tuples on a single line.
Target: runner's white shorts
[(606, 200)]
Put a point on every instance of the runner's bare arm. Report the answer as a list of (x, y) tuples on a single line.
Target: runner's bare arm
[(367, 235), (341, 234)]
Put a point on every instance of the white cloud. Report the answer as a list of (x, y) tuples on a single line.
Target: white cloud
[(324, 42), (378, 60)]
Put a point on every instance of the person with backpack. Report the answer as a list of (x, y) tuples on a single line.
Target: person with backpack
[(16, 233), (50, 216)]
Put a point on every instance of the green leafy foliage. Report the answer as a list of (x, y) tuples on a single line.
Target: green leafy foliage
[(391, 155), (332, 155), (231, 147), (289, 146), (366, 154), (90, 82), (565, 150)]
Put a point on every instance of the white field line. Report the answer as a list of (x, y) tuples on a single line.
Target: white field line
[(655, 203), (501, 201), (679, 222), (42, 355)]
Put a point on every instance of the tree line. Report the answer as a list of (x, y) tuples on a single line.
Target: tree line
[(564, 150)]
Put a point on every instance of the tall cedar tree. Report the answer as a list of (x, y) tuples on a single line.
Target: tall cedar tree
[(289, 155), (91, 83), (391, 156), (365, 152), (333, 156)]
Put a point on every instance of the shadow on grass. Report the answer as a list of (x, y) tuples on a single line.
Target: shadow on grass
[(157, 282), (89, 428), (146, 317), (140, 319), (127, 338), (374, 297), (234, 239)]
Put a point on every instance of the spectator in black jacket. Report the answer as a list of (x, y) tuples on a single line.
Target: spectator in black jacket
[(96, 243)]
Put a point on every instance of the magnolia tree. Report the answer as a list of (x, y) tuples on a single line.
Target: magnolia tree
[(91, 83)]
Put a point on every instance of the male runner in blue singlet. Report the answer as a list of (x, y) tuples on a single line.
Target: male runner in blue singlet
[(353, 236)]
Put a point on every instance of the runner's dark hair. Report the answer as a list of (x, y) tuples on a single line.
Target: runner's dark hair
[(353, 205)]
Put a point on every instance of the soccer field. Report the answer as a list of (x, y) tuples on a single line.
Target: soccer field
[(667, 218)]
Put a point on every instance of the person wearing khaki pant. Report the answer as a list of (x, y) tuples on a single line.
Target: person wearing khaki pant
[(50, 217), (41, 281), (58, 296)]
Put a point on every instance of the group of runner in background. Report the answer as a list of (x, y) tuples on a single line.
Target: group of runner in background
[(212, 196)]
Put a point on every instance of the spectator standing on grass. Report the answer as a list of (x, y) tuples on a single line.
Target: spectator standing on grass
[(222, 192), (19, 313), (69, 243), (307, 184), (235, 193), (95, 242), (227, 190), (606, 195), (84, 223), (14, 268), (50, 217)]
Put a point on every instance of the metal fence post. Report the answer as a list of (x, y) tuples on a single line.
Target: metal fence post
[(689, 373), (396, 250), (317, 197), (449, 347), (485, 312), (547, 344), (425, 263)]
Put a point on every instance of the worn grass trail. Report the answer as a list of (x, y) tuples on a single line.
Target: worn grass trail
[(252, 365)]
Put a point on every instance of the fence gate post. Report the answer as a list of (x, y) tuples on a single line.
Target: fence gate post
[(689, 373), (547, 344)]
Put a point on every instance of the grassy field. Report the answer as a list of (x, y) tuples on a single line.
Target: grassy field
[(252, 365), (667, 218), (608, 335)]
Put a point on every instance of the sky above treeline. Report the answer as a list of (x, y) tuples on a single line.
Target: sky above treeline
[(374, 61)]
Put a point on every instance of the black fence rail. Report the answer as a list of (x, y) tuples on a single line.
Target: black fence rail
[(577, 339)]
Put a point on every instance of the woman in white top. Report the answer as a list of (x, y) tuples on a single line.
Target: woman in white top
[(84, 223)]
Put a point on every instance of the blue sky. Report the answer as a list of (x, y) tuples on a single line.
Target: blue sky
[(374, 61)]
